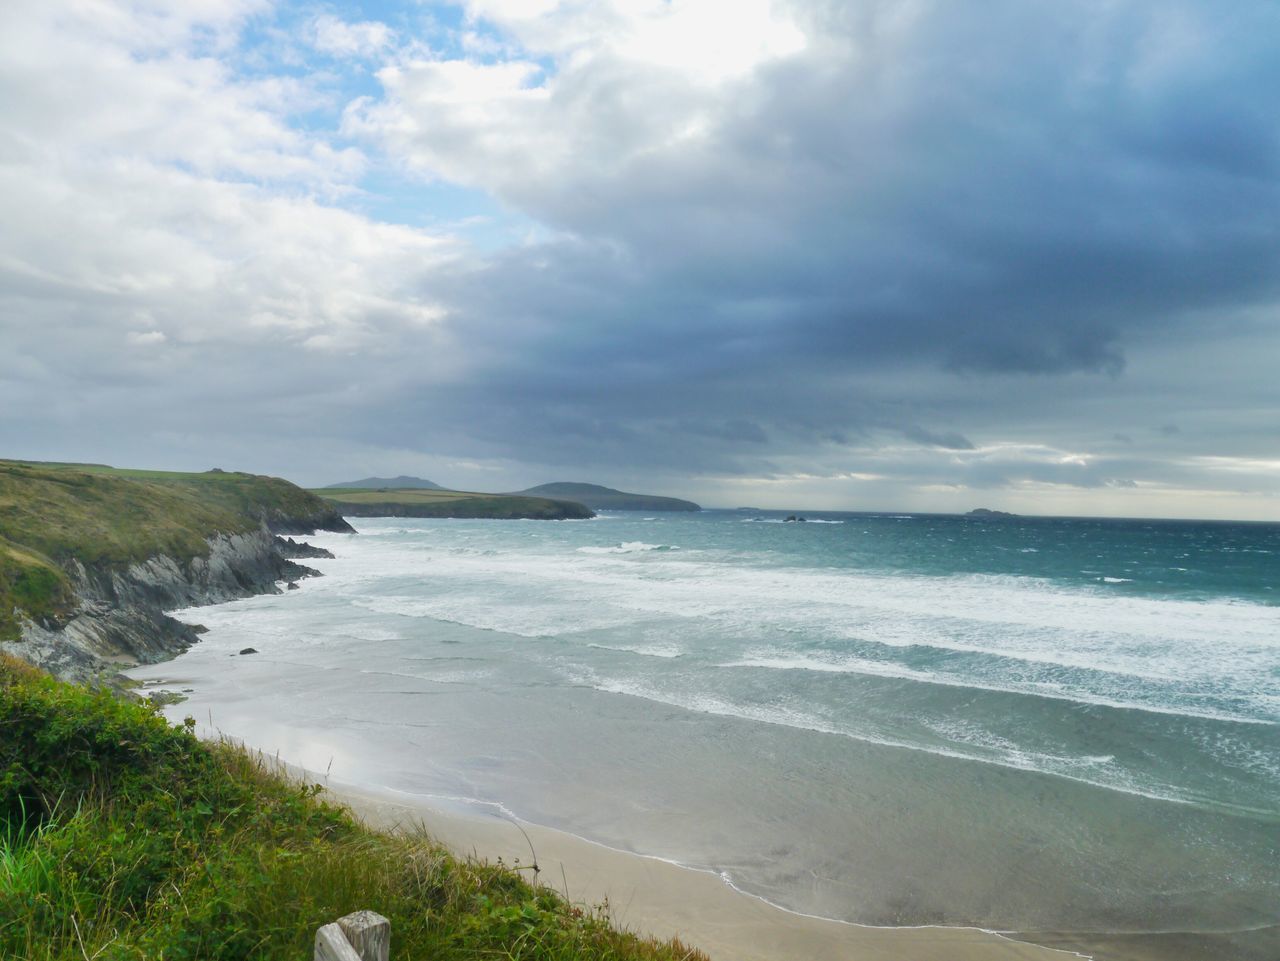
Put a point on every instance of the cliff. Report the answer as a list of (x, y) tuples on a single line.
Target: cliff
[(92, 558)]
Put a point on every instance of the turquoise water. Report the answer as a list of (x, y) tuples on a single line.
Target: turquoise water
[(1020, 724)]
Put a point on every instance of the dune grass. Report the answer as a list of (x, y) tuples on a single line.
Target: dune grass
[(122, 837)]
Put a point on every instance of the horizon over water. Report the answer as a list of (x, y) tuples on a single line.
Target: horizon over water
[(1024, 724)]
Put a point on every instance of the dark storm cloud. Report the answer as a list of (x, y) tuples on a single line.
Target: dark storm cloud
[(995, 191)]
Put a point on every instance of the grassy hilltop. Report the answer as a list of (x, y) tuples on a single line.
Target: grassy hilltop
[(418, 502), (54, 514), (125, 839)]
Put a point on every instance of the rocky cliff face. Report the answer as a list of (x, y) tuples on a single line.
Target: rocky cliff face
[(120, 618)]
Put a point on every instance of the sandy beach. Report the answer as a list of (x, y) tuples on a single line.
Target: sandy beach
[(651, 896)]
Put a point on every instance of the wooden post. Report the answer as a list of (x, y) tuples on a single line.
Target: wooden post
[(361, 936), (369, 934), (332, 945)]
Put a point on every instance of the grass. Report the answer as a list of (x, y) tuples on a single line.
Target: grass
[(30, 585), (415, 502), (122, 837), (53, 514)]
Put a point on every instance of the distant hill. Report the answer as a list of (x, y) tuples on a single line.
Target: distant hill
[(420, 502), (390, 483), (607, 499)]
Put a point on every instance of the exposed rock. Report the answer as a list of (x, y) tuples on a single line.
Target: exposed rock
[(165, 697), (248, 650), (120, 620), (288, 547)]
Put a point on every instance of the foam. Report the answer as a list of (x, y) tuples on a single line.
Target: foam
[(1051, 690), (1083, 769), (665, 651), (628, 547), (1170, 650)]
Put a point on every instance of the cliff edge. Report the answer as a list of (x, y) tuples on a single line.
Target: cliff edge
[(92, 558)]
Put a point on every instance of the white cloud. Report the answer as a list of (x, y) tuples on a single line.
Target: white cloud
[(631, 80), (150, 198), (705, 40), (336, 37)]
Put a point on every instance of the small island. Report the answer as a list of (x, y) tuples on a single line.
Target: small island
[(985, 513)]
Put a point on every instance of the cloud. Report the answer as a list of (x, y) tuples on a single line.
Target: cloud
[(164, 227), (339, 38), (146, 337), (918, 200), (914, 245)]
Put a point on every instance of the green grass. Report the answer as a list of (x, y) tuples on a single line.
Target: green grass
[(31, 586), (97, 517), (253, 498), (124, 838), (52, 514), (415, 502)]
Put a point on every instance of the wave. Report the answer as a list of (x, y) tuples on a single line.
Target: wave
[(870, 668), (666, 651), (1180, 648), (996, 751), (628, 547), (780, 520)]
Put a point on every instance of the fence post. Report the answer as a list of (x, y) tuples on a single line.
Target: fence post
[(361, 936)]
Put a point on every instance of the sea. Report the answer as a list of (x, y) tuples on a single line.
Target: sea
[(1023, 724)]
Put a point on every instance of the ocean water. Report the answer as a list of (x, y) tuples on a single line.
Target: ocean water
[(1032, 724)]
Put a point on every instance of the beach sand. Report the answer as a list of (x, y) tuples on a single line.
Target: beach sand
[(655, 897)]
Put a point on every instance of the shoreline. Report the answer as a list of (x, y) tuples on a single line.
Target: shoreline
[(655, 896), (651, 894)]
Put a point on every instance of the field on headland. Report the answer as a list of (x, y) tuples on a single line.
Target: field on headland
[(417, 502)]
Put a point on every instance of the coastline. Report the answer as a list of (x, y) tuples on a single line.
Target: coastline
[(653, 896)]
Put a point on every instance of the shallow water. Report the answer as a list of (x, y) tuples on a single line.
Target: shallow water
[(884, 718)]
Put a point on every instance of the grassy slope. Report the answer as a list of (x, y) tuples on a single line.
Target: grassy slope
[(123, 838), (53, 513), (416, 502)]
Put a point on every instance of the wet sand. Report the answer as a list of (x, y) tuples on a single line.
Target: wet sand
[(651, 896)]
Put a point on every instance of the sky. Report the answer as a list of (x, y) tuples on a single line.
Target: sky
[(854, 254)]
